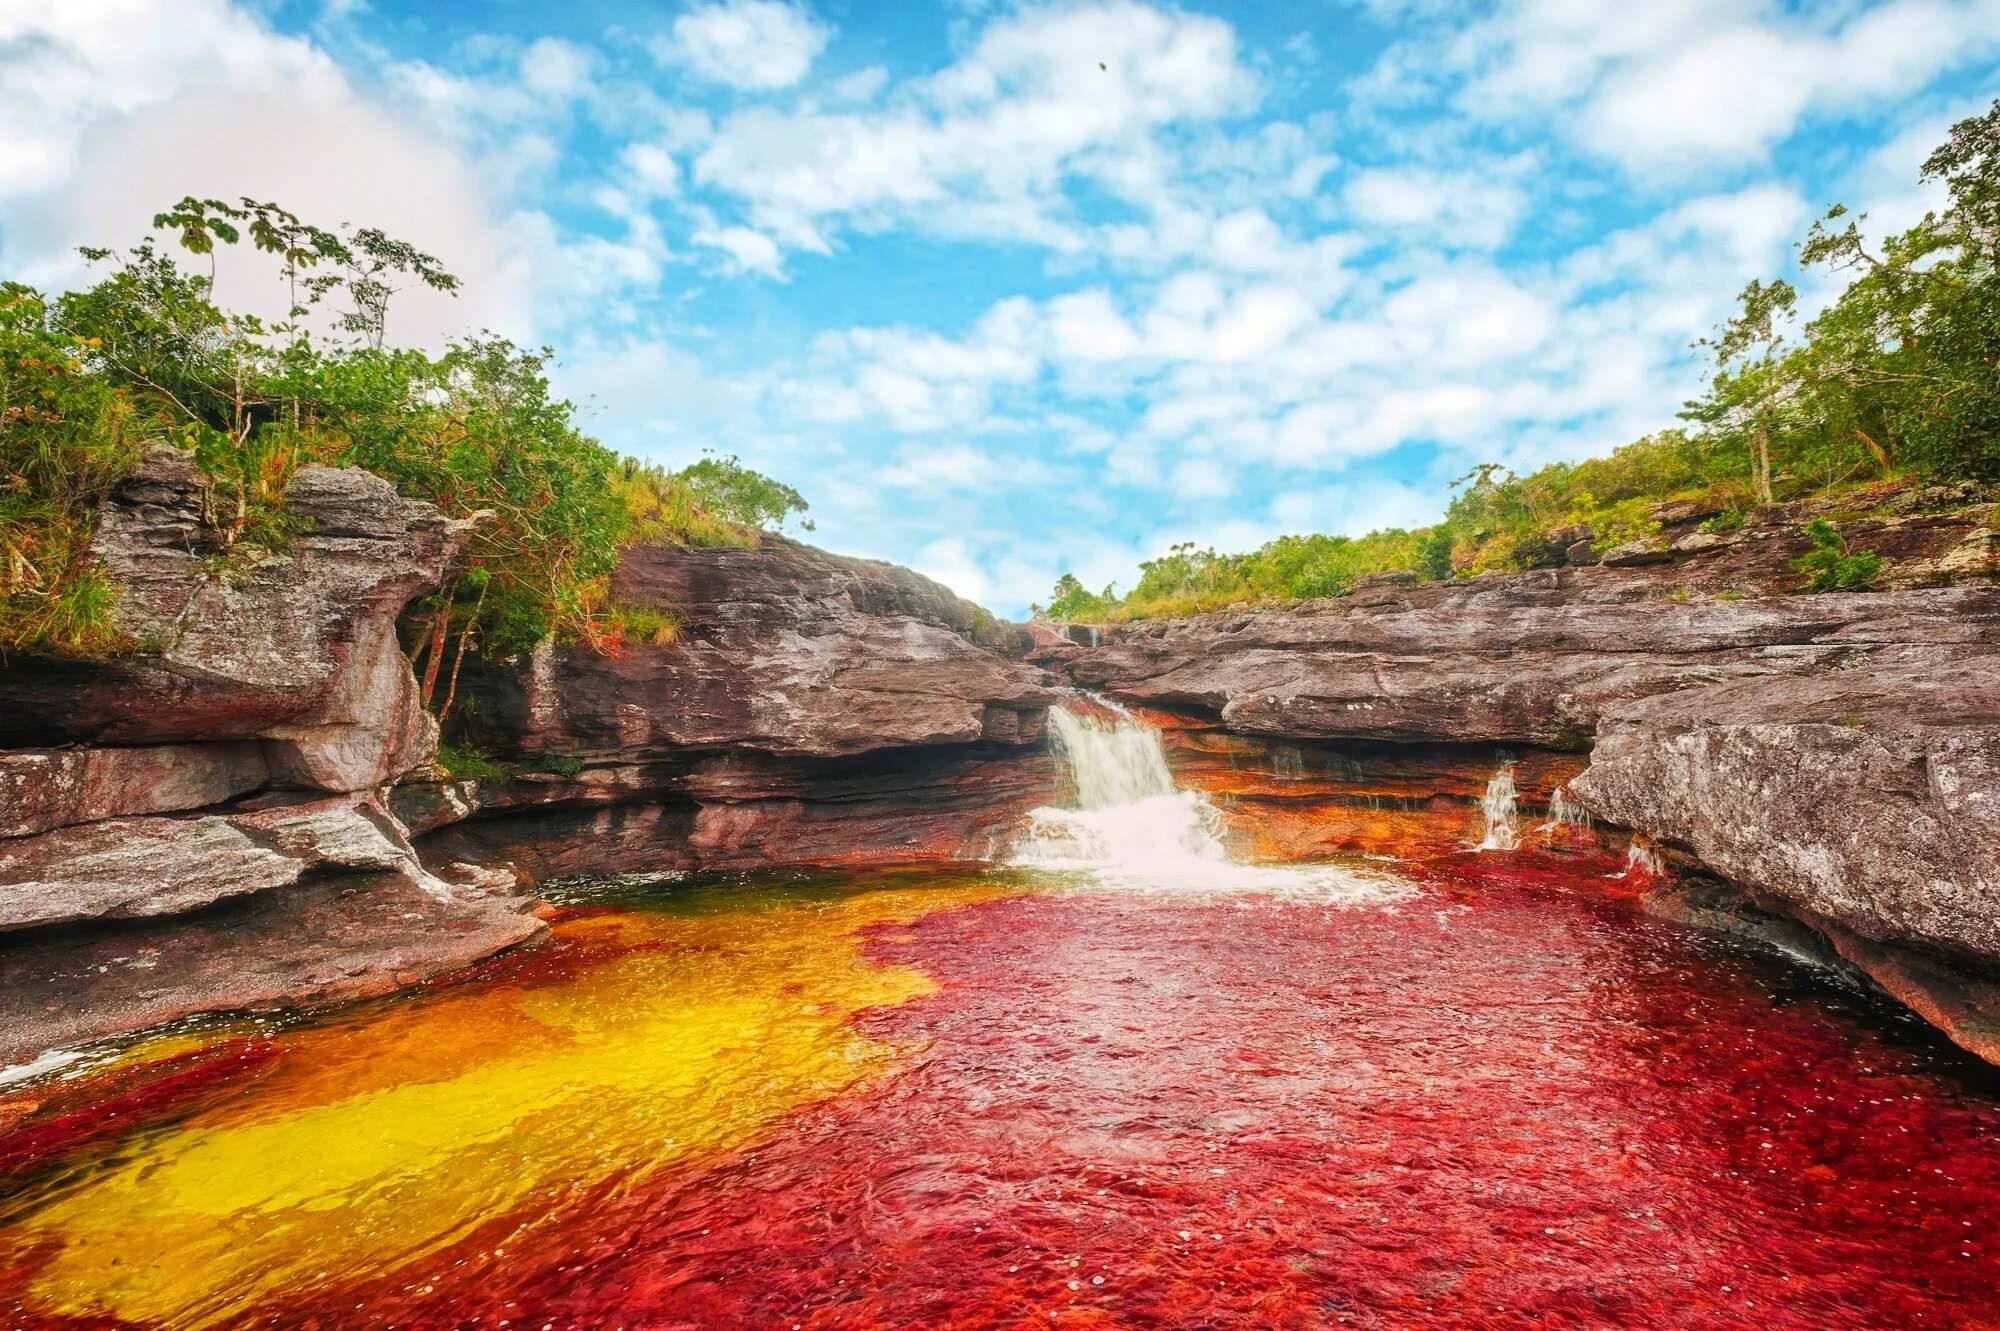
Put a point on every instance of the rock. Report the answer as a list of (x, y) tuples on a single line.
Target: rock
[(1867, 798), (1582, 554), (1535, 658), (130, 867), (1632, 554), (1683, 512), (323, 941), (294, 645), (424, 806), (126, 868), (42, 789), (812, 710), (784, 649), (1569, 534)]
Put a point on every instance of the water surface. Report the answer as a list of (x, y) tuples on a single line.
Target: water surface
[(1498, 1099)]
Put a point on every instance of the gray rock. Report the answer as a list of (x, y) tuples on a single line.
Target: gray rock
[(42, 789), (1869, 798), (230, 645), (127, 868)]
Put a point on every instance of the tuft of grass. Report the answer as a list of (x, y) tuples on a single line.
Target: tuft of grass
[(468, 763), (643, 623)]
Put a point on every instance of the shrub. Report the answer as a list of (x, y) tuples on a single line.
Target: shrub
[(1829, 567)]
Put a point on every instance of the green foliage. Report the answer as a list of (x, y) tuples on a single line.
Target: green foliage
[(1829, 567), (65, 435), (554, 764), (469, 763), (643, 623), (145, 354), (733, 492)]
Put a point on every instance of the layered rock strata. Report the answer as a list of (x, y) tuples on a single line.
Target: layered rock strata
[(810, 709), (197, 823), (1837, 757)]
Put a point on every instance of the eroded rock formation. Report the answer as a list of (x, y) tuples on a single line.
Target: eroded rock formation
[(239, 749), (1837, 757), (811, 709)]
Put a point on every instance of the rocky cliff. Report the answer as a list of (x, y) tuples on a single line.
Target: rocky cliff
[(199, 822), (811, 709), (1836, 757)]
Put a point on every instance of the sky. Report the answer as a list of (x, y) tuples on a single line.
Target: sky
[(1009, 290)]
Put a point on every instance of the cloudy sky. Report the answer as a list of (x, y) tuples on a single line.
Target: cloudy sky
[(1014, 289)]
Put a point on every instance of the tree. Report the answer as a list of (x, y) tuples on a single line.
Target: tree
[(1748, 388)]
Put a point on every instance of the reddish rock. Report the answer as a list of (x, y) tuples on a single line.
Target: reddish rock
[(41, 789), (784, 649)]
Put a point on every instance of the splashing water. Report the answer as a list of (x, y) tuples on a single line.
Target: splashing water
[(1642, 860), (1498, 806), (1132, 827), (1565, 811)]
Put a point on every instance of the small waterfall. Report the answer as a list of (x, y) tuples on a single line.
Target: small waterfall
[(1132, 827), (1642, 860), (1564, 813), (1498, 806)]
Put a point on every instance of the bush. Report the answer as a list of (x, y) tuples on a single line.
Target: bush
[(1829, 567), (145, 354)]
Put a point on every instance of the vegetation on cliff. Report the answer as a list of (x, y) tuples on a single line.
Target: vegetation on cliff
[(1899, 376), (89, 378)]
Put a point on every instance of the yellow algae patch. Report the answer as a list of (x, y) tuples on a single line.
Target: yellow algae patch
[(429, 1118)]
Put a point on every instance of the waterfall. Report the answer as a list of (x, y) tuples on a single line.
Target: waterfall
[(1132, 827), (1564, 811), (1642, 859), (1497, 804)]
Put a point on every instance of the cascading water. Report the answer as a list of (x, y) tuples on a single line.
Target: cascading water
[(1565, 811), (1498, 806), (1132, 827)]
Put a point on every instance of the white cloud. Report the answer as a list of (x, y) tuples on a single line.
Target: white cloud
[(1670, 86), (983, 147), (1458, 208), (748, 251), (752, 45)]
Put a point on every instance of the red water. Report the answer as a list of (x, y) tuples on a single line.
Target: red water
[(1506, 1102)]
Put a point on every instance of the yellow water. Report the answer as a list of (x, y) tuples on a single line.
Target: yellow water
[(381, 1139)]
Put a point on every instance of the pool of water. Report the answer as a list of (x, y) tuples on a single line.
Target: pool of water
[(1489, 1095)]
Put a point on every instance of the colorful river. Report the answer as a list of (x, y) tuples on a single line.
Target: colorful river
[(1499, 1100)]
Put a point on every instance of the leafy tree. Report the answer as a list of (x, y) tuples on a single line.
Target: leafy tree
[(730, 490), (145, 354), (1750, 387)]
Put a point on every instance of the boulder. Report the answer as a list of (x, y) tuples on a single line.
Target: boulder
[(1868, 797), (42, 789), (297, 646), (127, 868)]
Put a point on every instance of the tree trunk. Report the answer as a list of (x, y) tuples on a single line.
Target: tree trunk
[(436, 657), (1762, 467)]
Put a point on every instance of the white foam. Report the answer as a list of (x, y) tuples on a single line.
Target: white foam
[(1133, 830)]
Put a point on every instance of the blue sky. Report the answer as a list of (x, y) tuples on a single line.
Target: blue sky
[(1009, 290)]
